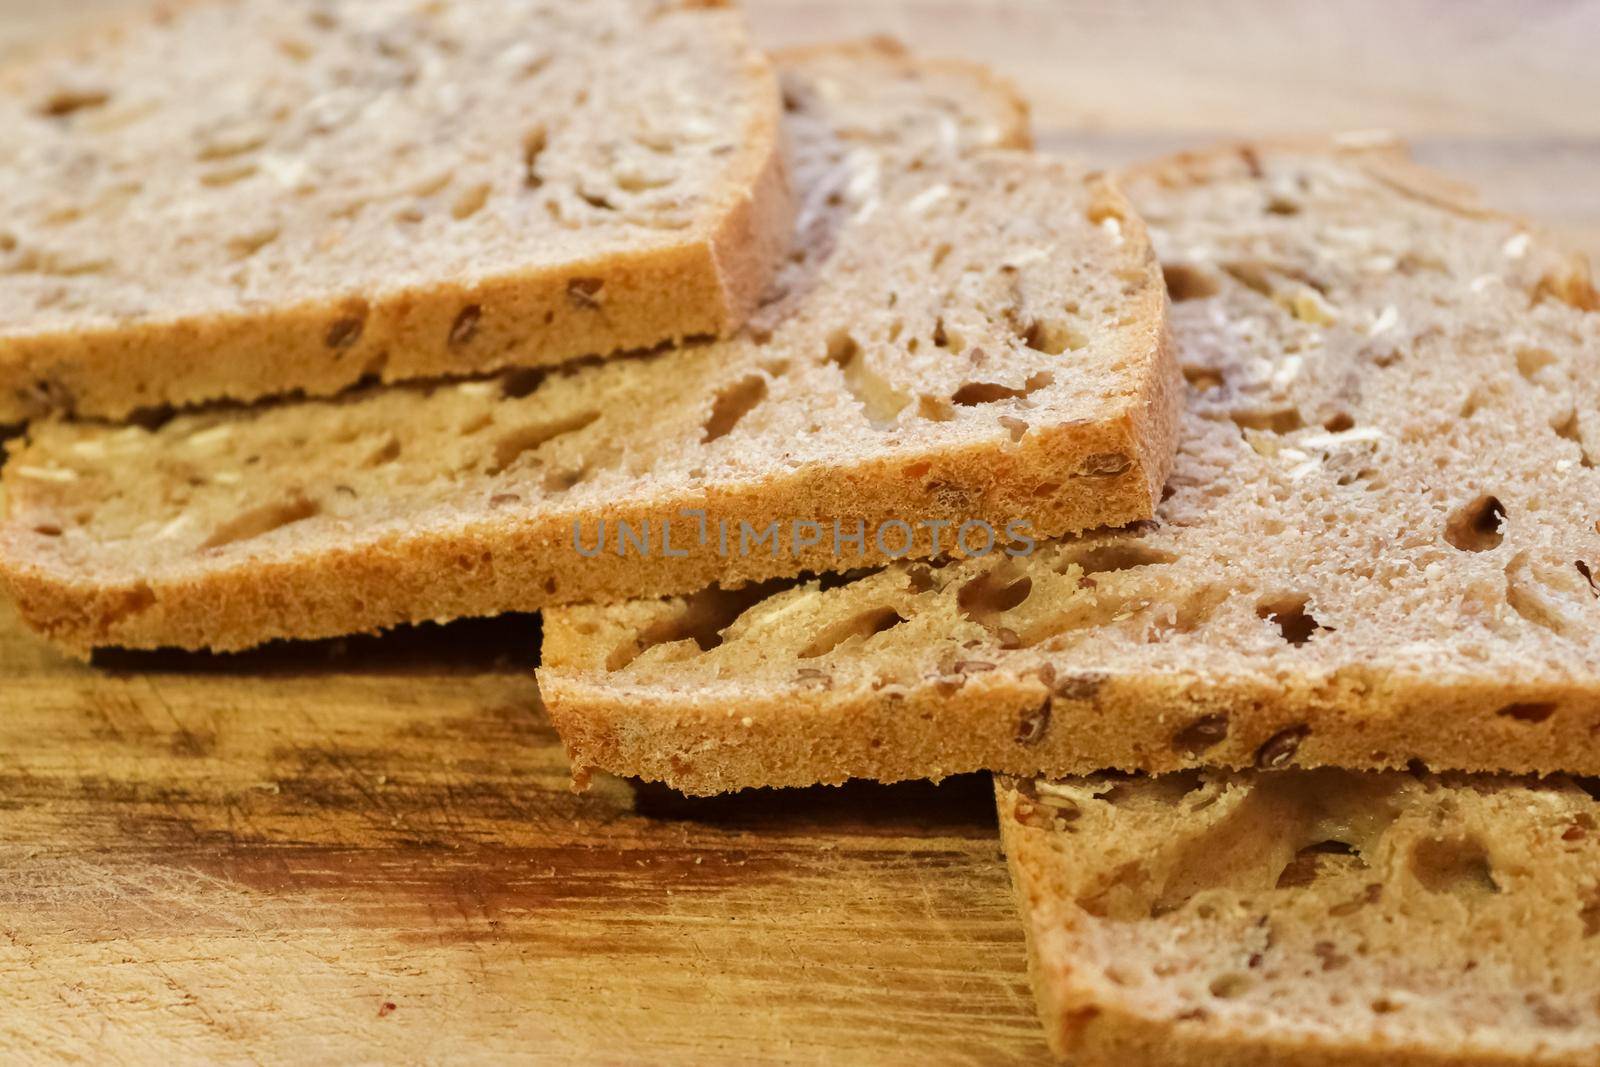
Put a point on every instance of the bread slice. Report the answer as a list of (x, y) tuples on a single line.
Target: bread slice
[(1379, 541), (1310, 918), (960, 336), (240, 198)]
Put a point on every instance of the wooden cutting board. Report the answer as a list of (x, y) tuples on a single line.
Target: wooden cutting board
[(366, 851)]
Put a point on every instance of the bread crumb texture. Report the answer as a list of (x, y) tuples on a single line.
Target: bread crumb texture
[(240, 198), (1379, 542), (961, 333), (1310, 917)]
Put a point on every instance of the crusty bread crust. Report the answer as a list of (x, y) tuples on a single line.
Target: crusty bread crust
[(1111, 994), (703, 279), (947, 692), (1063, 452)]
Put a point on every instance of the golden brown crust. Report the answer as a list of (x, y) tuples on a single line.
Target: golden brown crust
[(804, 734), (700, 281)]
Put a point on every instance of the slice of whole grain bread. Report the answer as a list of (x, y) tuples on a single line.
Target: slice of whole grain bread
[(1310, 918), (1378, 544), (242, 198), (962, 334)]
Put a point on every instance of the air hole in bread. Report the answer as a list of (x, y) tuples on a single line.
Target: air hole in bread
[(1252, 276), (1532, 359), (248, 244), (47, 529), (230, 175), (1118, 555), (1313, 861), (1281, 421), (1290, 615), (701, 621), (1203, 379), (1053, 338), (880, 401), (733, 403), (1231, 985), (1125, 894), (1332, 959), (295, 48), (1458, 866), (1532, 712), (842, 348), (520, 442), (1568, 430), (935, 408), (1547, 595), (993, 593), (1571, 287), (1102, 210), (1588, 576), (945, 337), (1589, 914), (262, 520), (231, 144), (1476, 526), (533, 146), (64, 102), (639, 181), (972, 394), (864, 624), (1282, 205), (1339, 422), (1015, 427), (1188, 282), (562, 479), (387, 452), (1369, 896), (470, 201)]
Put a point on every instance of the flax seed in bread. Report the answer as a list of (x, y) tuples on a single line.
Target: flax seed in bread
[(1379, 542), (1310, 918), (962, 335), (240, 198)]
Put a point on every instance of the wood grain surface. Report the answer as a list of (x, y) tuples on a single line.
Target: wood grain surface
[(366, 851)]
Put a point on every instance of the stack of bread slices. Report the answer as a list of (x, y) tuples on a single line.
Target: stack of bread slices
[(1238, 510)]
